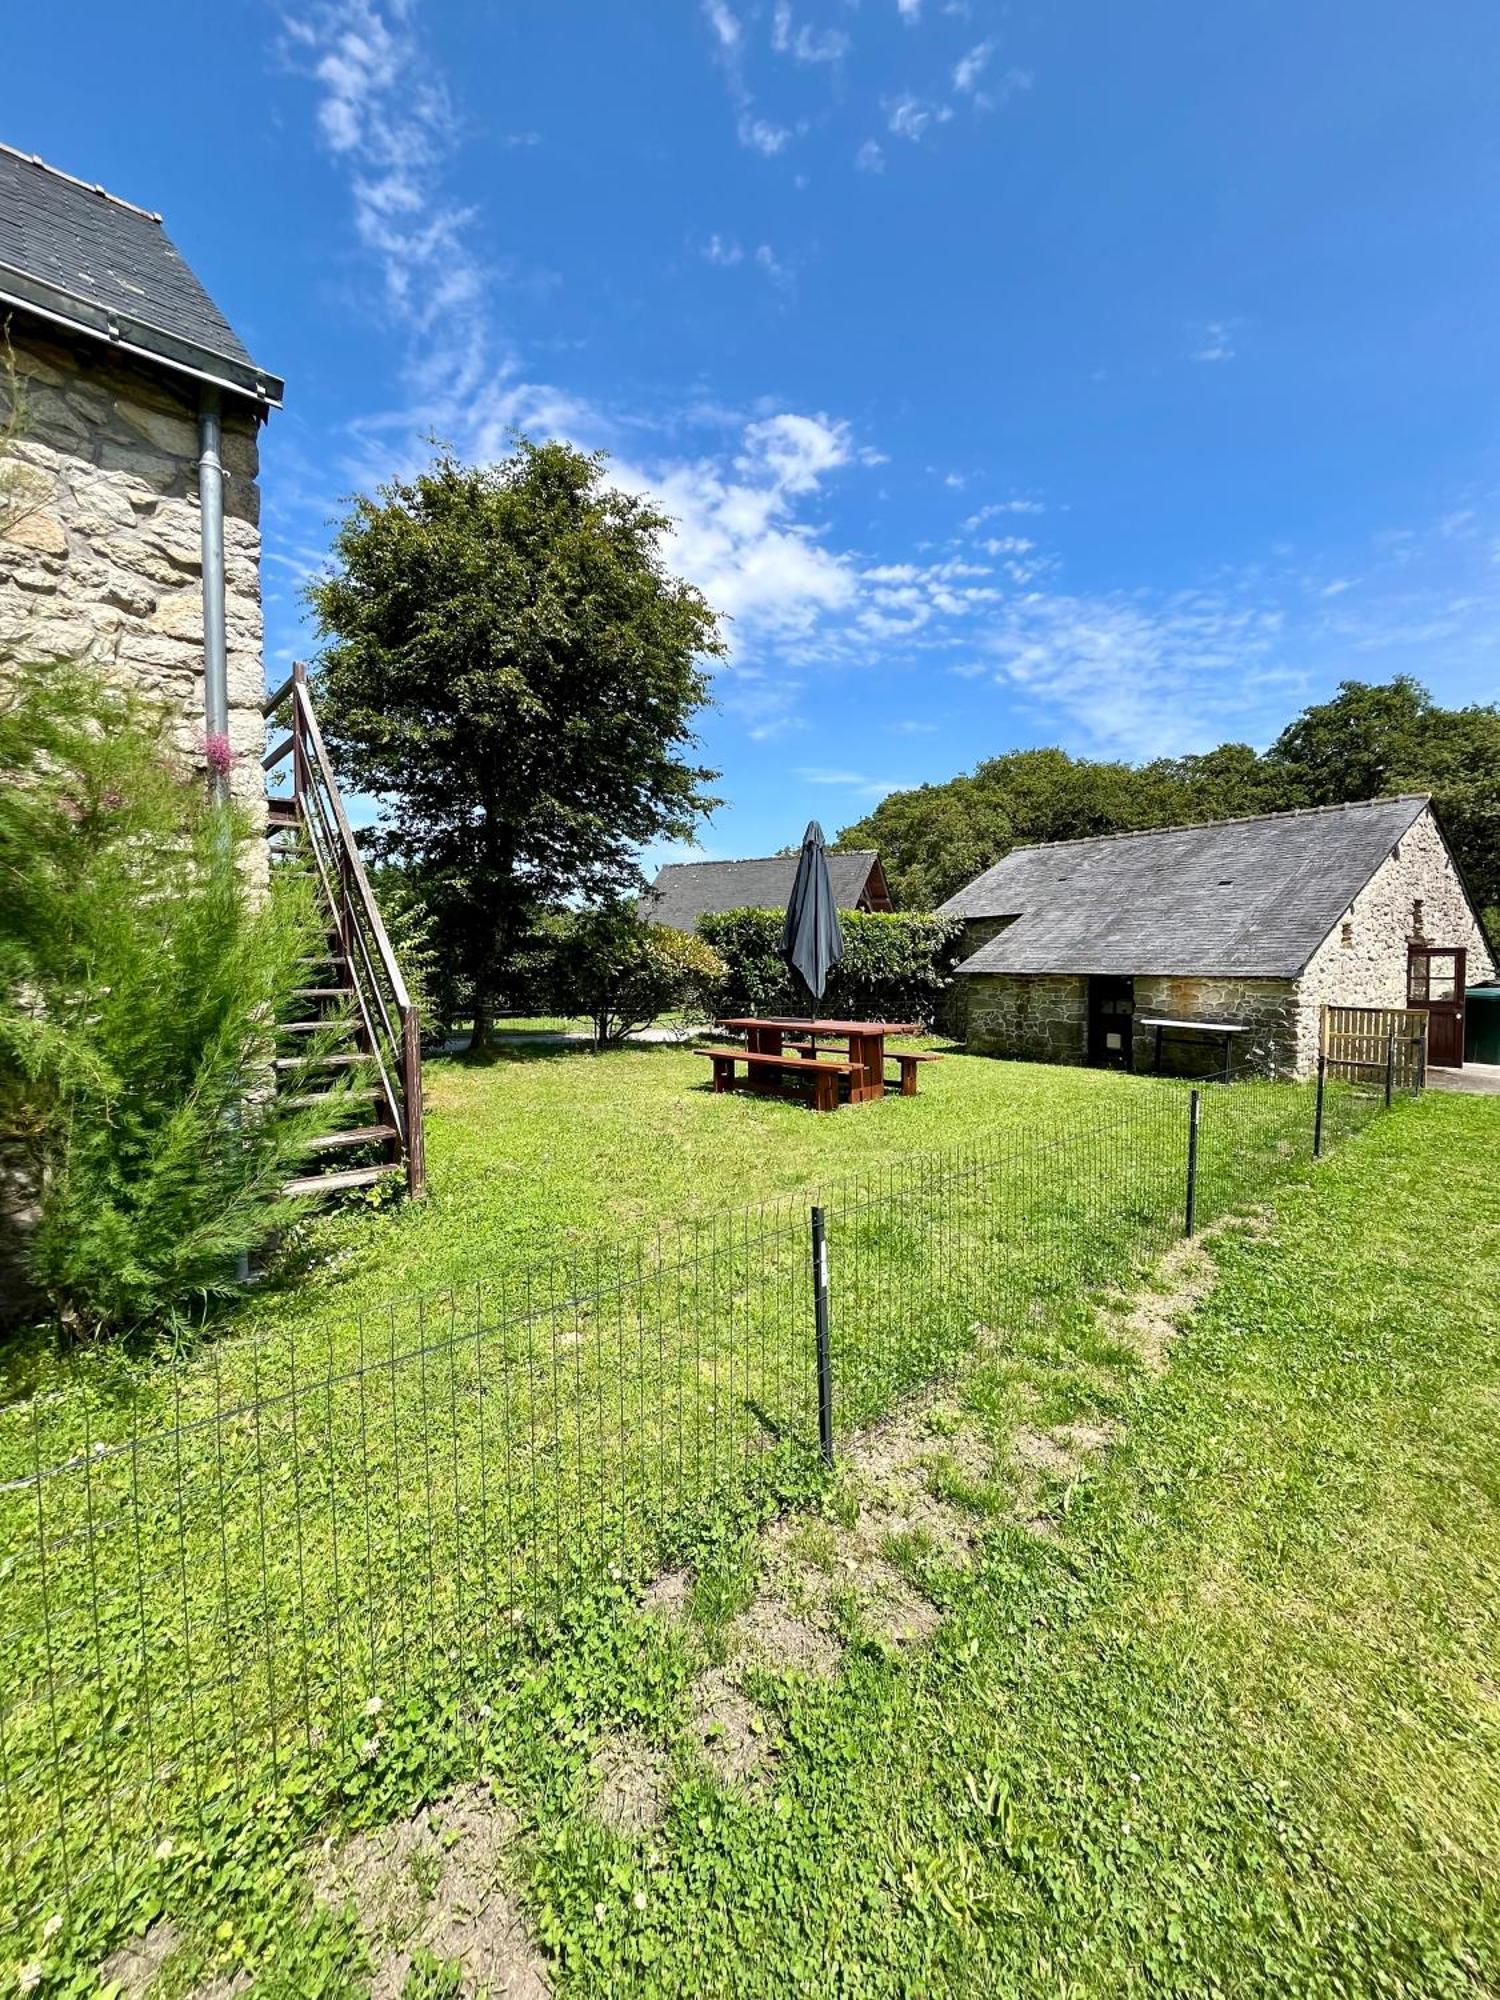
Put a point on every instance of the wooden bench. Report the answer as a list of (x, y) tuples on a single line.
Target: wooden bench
[(908, 1059), (825, 1074)]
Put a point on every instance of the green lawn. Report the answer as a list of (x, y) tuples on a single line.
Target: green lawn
[(1233, 1729), (212, 1571)]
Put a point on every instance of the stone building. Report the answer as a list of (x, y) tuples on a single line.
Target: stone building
[(128, 465), (1192, 940)]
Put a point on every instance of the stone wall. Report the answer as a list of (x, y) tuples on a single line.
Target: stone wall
[(953, 1011), (1362, 962), (99, 548), (1268, 1007), (1043, 1018)]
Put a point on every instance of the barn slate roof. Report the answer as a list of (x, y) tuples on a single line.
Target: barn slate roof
[(81, 258), (687, 890), (1247, 897)]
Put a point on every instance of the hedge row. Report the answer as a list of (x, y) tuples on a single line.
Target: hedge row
[(894, 967)]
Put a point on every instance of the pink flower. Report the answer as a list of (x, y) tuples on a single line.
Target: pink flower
[(217, 753)]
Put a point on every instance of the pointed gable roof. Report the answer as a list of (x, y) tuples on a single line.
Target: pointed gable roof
[(1247, 897), (82, 259)]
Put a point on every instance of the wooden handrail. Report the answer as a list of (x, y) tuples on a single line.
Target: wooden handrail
[(340, 874), (391, 969)]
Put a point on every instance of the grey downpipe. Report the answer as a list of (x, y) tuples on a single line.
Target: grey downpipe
[(215, 643), (211, 530)]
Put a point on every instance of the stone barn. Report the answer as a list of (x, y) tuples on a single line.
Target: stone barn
[(130, 413), (1204, 949)]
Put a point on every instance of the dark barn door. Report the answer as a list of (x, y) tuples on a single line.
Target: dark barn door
[(1435, 980), (1111, 1011)]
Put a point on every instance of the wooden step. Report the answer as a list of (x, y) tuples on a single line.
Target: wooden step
[(320, 1062), (353, 1177), (311, 1101), (331, 1021), (322, 992), (353, 1135)]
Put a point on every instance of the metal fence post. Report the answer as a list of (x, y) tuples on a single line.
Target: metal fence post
[(820, 1317), (1390, 1064), (1195, 1106), (1318, 1112)]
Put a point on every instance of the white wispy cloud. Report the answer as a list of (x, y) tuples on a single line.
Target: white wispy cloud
[(1215, 341), (854, 781), (870, 158), (755, 131), (970, 67), (723, 251), (909, 116), (910, 11), (724, 22), (802, 41), (994, 508), (762, 135)]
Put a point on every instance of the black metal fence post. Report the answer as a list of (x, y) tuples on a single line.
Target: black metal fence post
[(1318, 1112), (1195, 1105), (820, 1317), (1390, 1065)]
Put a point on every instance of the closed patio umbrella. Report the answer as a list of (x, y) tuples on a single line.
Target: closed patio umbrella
[(812, 942)]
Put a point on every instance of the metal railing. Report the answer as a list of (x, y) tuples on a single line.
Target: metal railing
[(386, 1025)]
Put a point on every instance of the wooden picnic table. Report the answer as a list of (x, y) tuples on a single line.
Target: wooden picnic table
[(865, 1041)]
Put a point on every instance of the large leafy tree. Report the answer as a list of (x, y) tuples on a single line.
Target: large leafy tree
[(1393, 737), (511, 667)]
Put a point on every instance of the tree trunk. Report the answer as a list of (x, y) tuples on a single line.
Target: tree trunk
[(483, 1022)]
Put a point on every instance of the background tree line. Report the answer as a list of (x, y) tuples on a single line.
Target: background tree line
[(1369, 740)]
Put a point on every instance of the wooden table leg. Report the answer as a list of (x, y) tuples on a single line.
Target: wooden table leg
[(867, 1053), (764, 1042)]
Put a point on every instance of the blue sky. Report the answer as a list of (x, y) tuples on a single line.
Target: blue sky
[(1116, 377)]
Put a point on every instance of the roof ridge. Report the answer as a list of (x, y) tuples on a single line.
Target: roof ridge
[(759, 860), (1238, 819), (88, 187)]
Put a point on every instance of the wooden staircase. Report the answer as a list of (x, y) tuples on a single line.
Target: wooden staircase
[(354, 1018)]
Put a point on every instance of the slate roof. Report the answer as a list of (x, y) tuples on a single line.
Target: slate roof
[(1247, 897), (78, 256), (687, 890)]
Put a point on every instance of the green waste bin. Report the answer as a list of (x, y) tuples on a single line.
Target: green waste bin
[(1482, 1024)]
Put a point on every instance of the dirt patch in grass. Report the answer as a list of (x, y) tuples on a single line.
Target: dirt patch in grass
[(773, 1632), (667, 1597), (1153, 1318), (1060, 1451), (730, 1729), (434, 1882), (889, 1469), (631, 1776), (891, 1609), (138, 1961)]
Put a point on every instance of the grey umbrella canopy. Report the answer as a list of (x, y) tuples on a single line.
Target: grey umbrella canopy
[(811, 941)]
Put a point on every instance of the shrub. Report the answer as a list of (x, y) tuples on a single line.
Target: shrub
[(140, 987), (624, 973), (894, 968)]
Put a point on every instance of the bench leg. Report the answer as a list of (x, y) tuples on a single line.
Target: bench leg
[(723, 1073), (908, 1079), (825, 1091)]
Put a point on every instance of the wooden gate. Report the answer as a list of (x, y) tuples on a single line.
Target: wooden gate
[(1358, 1042)]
